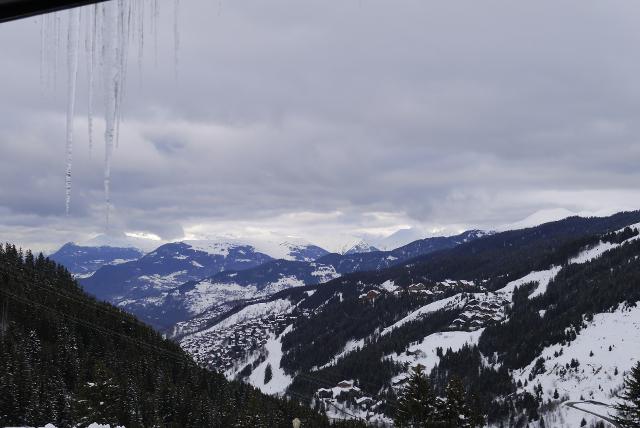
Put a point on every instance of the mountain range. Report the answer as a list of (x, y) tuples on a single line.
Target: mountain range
[(180, 280), (527, 318)]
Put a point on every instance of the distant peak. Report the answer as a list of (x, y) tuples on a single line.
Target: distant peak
[(361, 246)]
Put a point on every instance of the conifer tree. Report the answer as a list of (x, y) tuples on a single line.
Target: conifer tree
[(454, 412), (629, 409), (268, 374), (416, 405)]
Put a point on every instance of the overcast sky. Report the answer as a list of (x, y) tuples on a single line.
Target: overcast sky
[(332, 119)]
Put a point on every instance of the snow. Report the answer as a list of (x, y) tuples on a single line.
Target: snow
[(359, 247), (325, 272), (543, 278), (123, 240), (252, 311), (280, 380), (351, 346), (538, 218), (164, 281), (206, 294), (399, 238), (452, 302), (389, 286), (214, 248), (424, 353), (270, 246), (120, 261), (595, 378), (282, 283), (593, 253)]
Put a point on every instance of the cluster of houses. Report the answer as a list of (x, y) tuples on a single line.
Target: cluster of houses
[(480, 311), (237, 341), (347, 395), (431, 289)]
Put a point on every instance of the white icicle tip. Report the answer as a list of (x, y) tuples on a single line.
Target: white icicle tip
[(110, 28), (73, 46)]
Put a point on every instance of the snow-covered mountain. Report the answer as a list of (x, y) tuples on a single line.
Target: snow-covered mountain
[(84, 258), (204, 299), (212, 293), (140, 282), (180, 280), (122, 240), (148, 286), (83, 261), (286, 248), (399, 238), (359, 247), (527, 318)]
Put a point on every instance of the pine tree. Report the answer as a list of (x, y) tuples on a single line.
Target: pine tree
[(629, 409), (477, 416), (454, 412), (417, 402), (268, 374), (97, 400)]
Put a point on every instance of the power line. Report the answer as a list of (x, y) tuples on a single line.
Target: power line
[(100, 329), (94, 305)]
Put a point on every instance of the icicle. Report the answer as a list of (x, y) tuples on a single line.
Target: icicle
[(73, 46), (111, 77), (176, 33), (156, 19), (56, 49), (43, 24), (91, 59), (140, 35), (110, 28)]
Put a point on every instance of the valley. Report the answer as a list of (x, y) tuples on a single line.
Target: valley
[(519, 316)]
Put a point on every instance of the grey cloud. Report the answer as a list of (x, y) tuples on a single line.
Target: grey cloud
[(443, 114)]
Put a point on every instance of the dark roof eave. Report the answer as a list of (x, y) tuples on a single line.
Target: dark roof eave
[(17, 9)]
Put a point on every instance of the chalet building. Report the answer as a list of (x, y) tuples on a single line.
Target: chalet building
[(345, 384), (370, 296), (416, 288)]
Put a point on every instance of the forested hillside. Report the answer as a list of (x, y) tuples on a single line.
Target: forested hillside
[(518, 317), (68, 359)]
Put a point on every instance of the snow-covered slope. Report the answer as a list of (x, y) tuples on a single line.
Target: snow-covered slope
[(123, 240), (141, 286), (180, 280), (240, 337), (359, 247), (605, 350), (293, 249), (590, 366)]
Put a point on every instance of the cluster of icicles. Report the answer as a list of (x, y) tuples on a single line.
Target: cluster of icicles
[(102, 35)]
